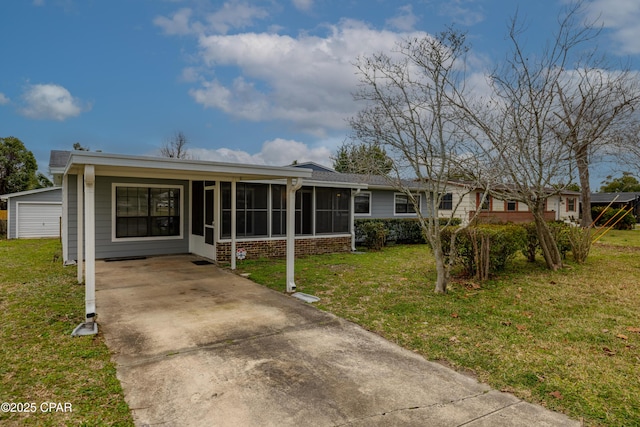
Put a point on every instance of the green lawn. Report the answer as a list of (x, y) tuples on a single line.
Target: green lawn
[(569, 340), (40, 304)]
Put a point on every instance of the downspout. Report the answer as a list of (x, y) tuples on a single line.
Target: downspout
[(352, 218), (291, 231)]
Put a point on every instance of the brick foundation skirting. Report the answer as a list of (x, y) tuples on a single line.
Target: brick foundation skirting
[(278, 248)]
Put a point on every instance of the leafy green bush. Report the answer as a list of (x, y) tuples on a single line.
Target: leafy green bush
[(374, 234), (486, 248), (399, 230), (626, 223), (560, 232)]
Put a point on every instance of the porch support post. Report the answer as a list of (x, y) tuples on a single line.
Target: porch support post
[(65, 219), (233, 224), (89, 327), (291, 231), (352, 224), (80, 227)]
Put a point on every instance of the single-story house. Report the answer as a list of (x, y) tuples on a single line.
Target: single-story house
[(34, 213), (619, 201), (119, 206), (382, 200)]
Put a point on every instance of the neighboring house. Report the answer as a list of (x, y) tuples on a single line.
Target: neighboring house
[(382, 200), (34, 213), (618, 200), (561, 207)]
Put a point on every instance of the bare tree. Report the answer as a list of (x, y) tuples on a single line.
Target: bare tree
[(597, 107), (519, 122), (175, 147), (408, 113)]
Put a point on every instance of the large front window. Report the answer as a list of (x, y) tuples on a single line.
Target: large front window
[(332, 210), (147, 211)]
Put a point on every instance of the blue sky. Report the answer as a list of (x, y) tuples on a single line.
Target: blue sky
[(264, 82)]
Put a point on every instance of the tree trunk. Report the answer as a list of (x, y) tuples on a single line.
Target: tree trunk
[(442, 271), (550, 251), (582, 161)]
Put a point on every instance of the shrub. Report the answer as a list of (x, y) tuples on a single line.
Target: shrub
[(399, 230), (485, 249), (626, 223), (374, 234), (580, 241)]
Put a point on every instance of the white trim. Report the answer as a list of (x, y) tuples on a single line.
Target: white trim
[(112, 164), (362, 193), (28, 192), (149, 238), (65, 219), (408, 214)]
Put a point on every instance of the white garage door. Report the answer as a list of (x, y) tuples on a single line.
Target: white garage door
[(39, 220)]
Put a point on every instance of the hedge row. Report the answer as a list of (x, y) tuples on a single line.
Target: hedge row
[(398, 230), (625, 223), (481, 250)]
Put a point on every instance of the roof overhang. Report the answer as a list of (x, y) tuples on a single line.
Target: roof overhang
[(25, 193), (159, 167)]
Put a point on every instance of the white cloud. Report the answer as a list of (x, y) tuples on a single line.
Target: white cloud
[(463, 12), (178, 24), (303, 5), (233, 14), (405, 20), (3, 99), (50, 101), (308, 80), (278, 152), (621, 17)]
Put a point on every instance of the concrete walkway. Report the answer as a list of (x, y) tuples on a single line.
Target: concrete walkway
[(198, 346)]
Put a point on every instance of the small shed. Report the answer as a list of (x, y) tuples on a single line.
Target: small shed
[(34, 213)]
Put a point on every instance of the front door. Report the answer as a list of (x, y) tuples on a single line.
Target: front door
[(203, 219)]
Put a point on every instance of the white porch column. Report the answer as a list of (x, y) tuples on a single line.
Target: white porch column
[(233, 224), (80, 226), (65, 219), (90, 234), (352, 225), (291, 231)]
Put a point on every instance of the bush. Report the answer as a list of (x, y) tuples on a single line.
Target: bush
[(626, 223), (485, 249), (559, 231), (374, 234), (580, 241), (399, 230)]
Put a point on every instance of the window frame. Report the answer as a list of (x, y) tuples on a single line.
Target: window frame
[(449, 201), (114, 211), (409, 204), (333, 210), (571, 201), (244, 209), (515, 204), (363, 193)]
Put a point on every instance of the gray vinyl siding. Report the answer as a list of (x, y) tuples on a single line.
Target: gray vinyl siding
[(46, 196), (383, 205), (105, 247)]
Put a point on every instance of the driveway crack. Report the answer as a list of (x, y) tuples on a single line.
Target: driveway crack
[(411, 408)]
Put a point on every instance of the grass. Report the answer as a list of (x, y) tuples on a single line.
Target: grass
[(568, 340), (40, 304)]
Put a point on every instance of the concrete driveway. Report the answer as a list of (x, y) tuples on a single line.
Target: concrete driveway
[(196, 345)]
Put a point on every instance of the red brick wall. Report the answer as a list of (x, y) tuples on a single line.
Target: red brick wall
[(278, 248)]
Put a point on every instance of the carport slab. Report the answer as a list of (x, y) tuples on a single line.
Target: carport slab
[(196, 345)]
